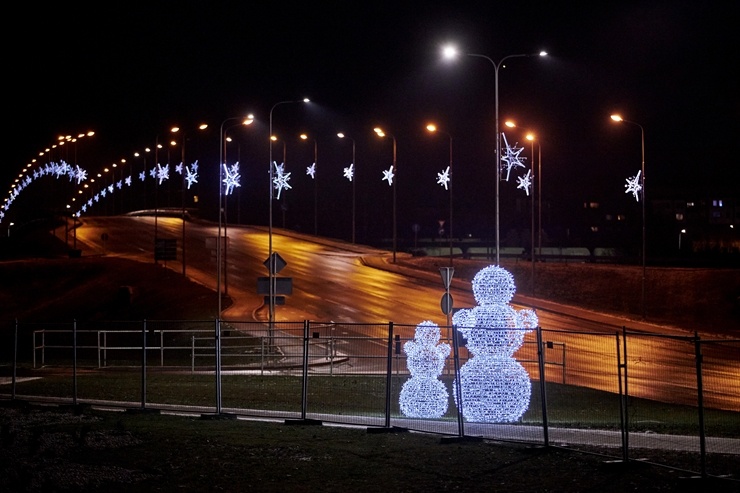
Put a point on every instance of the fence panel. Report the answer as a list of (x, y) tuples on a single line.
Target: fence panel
[(721, 401)]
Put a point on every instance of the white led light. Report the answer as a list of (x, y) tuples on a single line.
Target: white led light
[(494, 387), (424, 395)]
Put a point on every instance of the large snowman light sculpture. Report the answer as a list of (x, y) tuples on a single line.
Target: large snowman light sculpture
[(494, 387)]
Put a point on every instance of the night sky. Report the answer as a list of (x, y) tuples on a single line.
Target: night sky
[(131, 70)]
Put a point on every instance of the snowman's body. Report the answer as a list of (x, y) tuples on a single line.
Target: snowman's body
[(424, 395), (494, 387)]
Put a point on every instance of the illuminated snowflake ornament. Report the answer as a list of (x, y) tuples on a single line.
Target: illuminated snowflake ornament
[(232, 178), (424, 395), (443, 178), (525, 181), (388, 175), (191, 174), (349, 172), (494, 386), (311, 171), (281, 179), (511, 157), (633, 186)]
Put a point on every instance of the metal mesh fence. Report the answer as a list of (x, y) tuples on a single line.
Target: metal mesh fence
[(635, 393)]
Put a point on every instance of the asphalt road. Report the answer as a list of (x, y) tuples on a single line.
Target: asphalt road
[(361, 290)]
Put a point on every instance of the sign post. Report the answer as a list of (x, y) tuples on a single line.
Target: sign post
[(446, 303)]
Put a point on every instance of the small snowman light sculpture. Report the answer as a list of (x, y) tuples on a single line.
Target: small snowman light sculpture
[(424, 395), (494, 387)]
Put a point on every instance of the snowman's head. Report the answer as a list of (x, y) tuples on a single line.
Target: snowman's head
[(492, 285)]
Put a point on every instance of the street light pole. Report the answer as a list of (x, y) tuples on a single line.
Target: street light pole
[(221, 144), (354, 171), (451, 52), (395, 185), (619, 119), (433, 128), (270, 262), (315, 185)]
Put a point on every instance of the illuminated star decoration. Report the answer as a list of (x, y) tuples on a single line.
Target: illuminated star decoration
[(191, 174), (281, 179), (633, 186), (178, 169), (142, 176), (443, 178), (232, 178), (388, 175), (525, 181), (349, 171), (311, 170), (153, 172), (163, 173), (79, 174), (511, 157)]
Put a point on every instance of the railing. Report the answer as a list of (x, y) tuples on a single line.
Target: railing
[(585, 387)]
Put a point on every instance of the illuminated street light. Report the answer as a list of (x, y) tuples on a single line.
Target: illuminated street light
[(394, 184), (450, 52), (353, 178), (433, 128), (270, 261), (202, 126), (312, 171), (221, 144), (531, 137), (619, 119)]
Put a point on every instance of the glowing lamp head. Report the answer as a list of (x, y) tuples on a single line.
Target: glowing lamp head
[(543, 53), (449, 52), (432, 127), (617, 118), (510, 124)]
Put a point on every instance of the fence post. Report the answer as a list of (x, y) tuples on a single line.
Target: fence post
[(458, 391), (700, 404), (218, 364), (143, 365), (304, 382), (74, 362), (389, 376), (15, 358), (622, 377), (543, 385)]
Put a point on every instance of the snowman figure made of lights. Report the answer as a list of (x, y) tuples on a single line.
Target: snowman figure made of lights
[(424, 395), (494, 387)]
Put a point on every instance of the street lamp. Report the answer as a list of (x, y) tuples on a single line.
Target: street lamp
[(175, 130), (270, 260), (313, 169), (619, 119), (394, 180), (451, 52), (221, 144), (433, 128), (354, 171), (531, 137)]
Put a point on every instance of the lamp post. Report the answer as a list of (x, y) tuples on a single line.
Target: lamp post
[(450, 52), (270, 260), (221, 144), (433, 128), (175, 130), (315, 185), (531, 137), (394, 179), (354, 170), (619, 119)]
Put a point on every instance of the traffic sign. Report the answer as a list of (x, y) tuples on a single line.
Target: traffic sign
[(283, 285), (446, 303), (446, 273), (278, 263)]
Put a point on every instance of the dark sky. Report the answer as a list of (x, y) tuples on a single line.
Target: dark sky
[(130, 70)]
